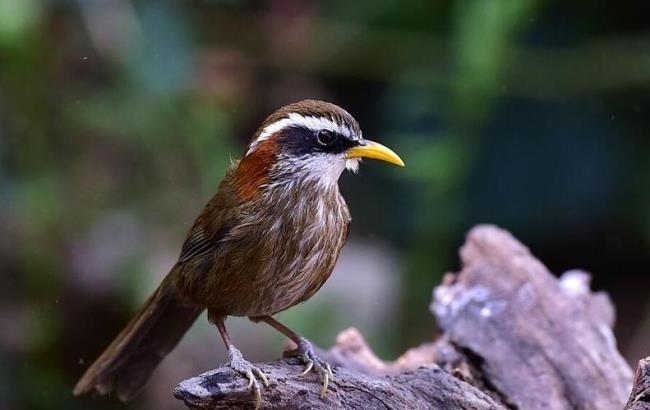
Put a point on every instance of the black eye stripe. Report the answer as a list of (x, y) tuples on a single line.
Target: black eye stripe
[(300, 141)]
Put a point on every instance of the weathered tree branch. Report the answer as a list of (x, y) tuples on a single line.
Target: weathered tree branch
[(423, 388), (513, 336), (640, 396), (533, 340)]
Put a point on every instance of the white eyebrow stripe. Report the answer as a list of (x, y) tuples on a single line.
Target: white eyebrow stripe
[(295, 119)]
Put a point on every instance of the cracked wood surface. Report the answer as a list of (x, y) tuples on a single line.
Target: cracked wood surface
[(535, 341), (640, 396), (426, 387), (513, 336)]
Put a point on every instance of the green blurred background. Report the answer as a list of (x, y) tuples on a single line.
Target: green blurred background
[(118, 117)]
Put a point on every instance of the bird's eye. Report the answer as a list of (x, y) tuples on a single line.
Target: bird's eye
[(325, 137)]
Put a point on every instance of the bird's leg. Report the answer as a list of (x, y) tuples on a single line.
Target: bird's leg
[(241, 365), (305, 351)]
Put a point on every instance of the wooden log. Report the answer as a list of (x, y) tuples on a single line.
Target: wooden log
[(640, 396), (426, 387), (535, 341)]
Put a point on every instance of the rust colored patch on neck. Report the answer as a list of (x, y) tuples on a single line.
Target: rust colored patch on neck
[(253, 170)]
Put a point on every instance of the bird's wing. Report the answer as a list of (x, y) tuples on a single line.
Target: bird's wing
[(204, 237), (196, 244), (215, 221), (212, 225)]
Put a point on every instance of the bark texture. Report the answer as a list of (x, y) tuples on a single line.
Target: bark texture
[(513, 336), (427, 387), (640, 396)]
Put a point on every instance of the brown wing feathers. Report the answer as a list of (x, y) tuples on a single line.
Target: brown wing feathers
[(127, 363)]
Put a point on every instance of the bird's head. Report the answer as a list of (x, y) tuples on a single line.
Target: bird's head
[(306, 141)]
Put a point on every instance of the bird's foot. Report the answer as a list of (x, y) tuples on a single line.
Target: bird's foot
[(305, 351), (252, 373)]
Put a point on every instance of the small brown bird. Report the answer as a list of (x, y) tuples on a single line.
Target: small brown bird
[(268, 240)]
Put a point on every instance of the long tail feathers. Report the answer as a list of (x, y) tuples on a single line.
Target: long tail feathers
[(127, 363)]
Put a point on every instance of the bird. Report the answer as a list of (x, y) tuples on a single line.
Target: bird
[(266, 241)]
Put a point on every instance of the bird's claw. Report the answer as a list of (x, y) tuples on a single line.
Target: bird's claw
[(305, 351), (308, 368), (252, 373)]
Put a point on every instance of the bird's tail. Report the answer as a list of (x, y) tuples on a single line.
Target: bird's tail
[(127, 363)]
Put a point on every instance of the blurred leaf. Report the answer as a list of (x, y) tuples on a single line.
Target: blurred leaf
[(484, 33), (17, 19)]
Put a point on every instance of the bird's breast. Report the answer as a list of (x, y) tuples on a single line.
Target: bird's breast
[(281, 252), (305, 242)]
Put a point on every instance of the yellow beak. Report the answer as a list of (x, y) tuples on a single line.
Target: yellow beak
[(374, 150)]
